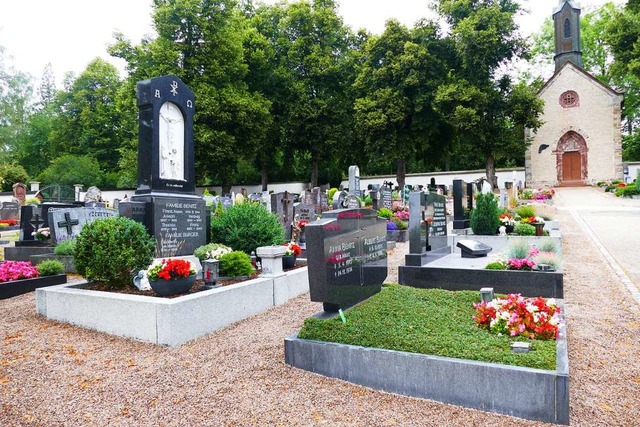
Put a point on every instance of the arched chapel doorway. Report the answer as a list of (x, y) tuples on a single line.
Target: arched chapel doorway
[(571, 159)]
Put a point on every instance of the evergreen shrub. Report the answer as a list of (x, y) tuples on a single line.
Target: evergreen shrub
[(484, 217), (524, 229), (65, 247), (50, 267), (113, 250), (246, 226), (235, 263)]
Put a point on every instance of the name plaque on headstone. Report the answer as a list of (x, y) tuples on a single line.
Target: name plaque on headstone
[(10, 210), (386, 197), (437, 212), (179, 226), (347, 257), (67, 223)]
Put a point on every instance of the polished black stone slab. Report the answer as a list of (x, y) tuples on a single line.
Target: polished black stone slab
[(473, 248)]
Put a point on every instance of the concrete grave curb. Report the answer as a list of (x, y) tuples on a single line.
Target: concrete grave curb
[(164, 321), (533, 394)]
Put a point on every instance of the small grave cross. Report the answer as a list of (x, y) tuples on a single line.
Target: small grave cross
[(36, 221), (285, 202), (68, 223)]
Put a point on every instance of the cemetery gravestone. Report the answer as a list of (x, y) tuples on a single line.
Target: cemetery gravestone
[(226, 201), (67, 223), (354, 181), (352, 202), (460, 201), (340, 200), (10, 210), (427, 225), (347, 257), (173, 213), (386, 196)]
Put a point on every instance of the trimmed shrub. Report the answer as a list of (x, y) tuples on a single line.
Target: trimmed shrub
[(235, 263), (484, 217), (65, 247), (113, 250), (524, 229), (245, 227), (50, 267), (525, 211)]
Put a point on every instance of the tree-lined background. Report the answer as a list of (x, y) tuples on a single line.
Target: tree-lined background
[(289, 92)]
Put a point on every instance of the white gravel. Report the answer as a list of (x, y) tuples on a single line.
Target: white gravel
[(55, 374)]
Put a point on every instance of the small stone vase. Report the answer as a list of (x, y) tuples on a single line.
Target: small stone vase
[(288, 261), (166, 288)]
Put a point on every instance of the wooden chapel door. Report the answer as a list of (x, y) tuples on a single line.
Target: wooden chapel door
[(571, 166)]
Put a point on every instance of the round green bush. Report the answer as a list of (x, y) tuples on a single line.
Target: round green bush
[(246, 226), (235, 264), (65, 247), (524, 229), (497, 265), (50, 267), (113, 250), (484, 219)]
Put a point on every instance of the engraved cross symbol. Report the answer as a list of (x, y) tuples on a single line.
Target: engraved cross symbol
[(174, 88), (36, 221), (68, 223)]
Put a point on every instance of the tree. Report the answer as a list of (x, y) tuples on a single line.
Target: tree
[(623, 36), (47, 90), (10, 174), (486, 111), (394, 113), (87, 121), (70, 169), (15, 97)]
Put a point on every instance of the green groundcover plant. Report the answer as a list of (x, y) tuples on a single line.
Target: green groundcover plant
[(428, 321)]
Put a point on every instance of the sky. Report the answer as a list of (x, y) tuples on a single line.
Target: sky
[(71, 33)]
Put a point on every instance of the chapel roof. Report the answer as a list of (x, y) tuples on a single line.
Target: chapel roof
[(573, 3)]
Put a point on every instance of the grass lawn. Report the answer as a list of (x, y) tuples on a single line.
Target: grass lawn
[(428, 321)]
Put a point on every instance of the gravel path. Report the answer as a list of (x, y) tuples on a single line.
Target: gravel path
[(54, 374)]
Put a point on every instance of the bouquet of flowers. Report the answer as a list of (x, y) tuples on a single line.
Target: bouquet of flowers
[(171, 269), (506, 219), (42, 234), (292, 249)]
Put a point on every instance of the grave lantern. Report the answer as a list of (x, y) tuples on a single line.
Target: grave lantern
[(210, 271), (486, 294)]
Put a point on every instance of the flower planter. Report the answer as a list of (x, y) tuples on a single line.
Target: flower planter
[(165, 288), (19, 287), (288, 262)]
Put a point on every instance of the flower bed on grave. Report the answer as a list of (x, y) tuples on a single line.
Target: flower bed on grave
[(20, 277), (436, 351)]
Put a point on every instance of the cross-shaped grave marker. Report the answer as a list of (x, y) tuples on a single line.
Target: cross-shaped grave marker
[(68, 223), (36, 221), (285, 202)]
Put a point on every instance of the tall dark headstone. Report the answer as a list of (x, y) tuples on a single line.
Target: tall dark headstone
[(346, 256), (427, 225), (460, 202), (174, 214)]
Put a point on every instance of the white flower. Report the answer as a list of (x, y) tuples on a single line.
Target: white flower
[(531, 308), (539, 220)]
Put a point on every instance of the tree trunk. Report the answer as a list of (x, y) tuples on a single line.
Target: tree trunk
[(491, 171), (314, 169), (401, 173), (226, 188), (264, 175)]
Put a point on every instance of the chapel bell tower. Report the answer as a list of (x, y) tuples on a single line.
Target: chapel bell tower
[(566, 24)]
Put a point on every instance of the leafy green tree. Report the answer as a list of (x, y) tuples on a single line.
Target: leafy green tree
[(10, 174), (623, 36), (70, 169), (15, 98), (400, 71), (487, 112)]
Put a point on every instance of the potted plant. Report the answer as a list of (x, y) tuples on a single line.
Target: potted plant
[(289, 258), (171, 277)]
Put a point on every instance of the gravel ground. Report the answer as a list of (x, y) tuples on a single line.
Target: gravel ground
[(54, 374)]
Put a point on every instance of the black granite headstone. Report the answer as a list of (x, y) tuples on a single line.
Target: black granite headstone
[(10, 210), (459, 204), (346, 256), (427, 225), (172, 213)]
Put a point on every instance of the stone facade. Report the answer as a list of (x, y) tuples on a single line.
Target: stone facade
[(582, 132)]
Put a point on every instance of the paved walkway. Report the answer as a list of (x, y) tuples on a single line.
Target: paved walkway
[(613, 224)]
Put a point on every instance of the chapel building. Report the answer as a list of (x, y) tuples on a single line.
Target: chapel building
[(580, 141)]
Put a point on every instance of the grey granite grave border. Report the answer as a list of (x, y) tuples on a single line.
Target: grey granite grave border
[(534, 394), (164, 321)]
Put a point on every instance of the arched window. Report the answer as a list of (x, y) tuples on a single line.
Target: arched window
[(567, 28), (569, 99)]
